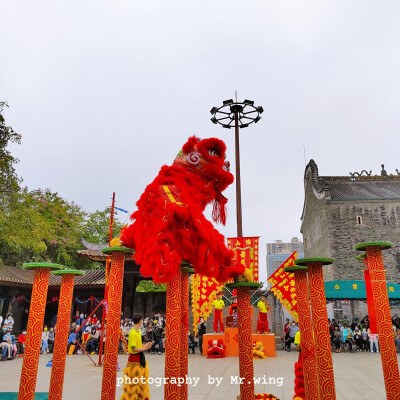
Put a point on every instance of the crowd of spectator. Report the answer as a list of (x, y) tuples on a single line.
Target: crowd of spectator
[(353, 335)]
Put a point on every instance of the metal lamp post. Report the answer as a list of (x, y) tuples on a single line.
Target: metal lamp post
[(241, 115), (238, 115)]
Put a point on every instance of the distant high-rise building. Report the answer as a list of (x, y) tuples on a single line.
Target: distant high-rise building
[(278, 252)]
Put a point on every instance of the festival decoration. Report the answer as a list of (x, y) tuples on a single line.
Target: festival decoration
[(299, 390), (306, 333), (30, 362), (283, 286), (204, 290), (383, 318), (322, 341), (216, 349), (109, 380), (258, 353), (245, 251), (61, 339), (134, 371)]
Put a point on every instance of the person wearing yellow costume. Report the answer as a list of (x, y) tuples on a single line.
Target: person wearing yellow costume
[(136, 372), (218, 306), (263, 308)]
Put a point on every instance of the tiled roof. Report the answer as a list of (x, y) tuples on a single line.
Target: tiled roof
[(363, 190), (22, 277)]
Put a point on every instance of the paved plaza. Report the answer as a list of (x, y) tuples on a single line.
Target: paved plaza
[(357, 376)]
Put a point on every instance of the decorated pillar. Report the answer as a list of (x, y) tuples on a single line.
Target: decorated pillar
[(173, 337), (61, 339), (244, 313), (370, 299), (33, 342), (184, 349), (306, 332), (322, 340), (383, 319), (115, 280)]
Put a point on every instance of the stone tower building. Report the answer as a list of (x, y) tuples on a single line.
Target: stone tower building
[(341, 211)]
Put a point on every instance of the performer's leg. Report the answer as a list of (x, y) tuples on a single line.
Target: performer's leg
[(221, 321), (215, 321)]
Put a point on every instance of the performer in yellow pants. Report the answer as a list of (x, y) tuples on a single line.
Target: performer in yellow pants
[(136, 372)]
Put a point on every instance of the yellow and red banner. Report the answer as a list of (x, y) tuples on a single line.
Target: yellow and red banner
[(204, 292), (283, 286), (246, 253)]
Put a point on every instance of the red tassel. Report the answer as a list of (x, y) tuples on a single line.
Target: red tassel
[(219, 209)]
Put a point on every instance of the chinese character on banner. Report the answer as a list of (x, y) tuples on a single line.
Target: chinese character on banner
[(282, 285), (246, 253)]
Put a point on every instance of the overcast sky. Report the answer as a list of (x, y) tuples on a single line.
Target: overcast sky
[(104, 93)]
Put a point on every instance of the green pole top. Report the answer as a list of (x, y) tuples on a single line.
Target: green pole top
[(68, 272), (295, 268), (254, 285), (110, 250), (306, 261), (50, 266), (382, 245)]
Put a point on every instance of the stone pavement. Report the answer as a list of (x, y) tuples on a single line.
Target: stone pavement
[(357, 376)]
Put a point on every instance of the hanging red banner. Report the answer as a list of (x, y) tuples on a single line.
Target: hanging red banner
[(204, 292), (246, 253), (283, 285)]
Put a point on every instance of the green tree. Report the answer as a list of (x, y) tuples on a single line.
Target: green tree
[(149, 286), (96, 228), (9, 181)]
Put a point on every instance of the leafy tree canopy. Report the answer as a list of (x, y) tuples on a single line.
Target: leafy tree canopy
[(149, 286), (40, 225)]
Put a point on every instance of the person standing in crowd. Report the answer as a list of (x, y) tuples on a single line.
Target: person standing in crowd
[(201, 330), (51, 339), (192, 343), (157, 339), (45, 340), (218, 306), (364, 340), (75, 317), (21, 341), (373, 340), (293, 329), (263, 308), (337, 338)]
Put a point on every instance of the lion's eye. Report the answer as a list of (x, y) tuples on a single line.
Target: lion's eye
[(213, 153)]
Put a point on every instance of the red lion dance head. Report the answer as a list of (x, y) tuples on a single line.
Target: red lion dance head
[(169, 225)]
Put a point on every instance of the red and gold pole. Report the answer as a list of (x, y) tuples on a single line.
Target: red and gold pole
[(383, 318), (61, 339), (322, 341), (172, 333), (30, 363), (246, 369), (184, 331), (109, 381), (306, 332)]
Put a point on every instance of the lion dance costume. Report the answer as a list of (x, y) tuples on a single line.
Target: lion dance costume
[(169, 225)]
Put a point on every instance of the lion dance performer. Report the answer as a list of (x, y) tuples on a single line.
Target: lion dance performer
[(263, 308), (218, 306), (169, 227), (136, 372)]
